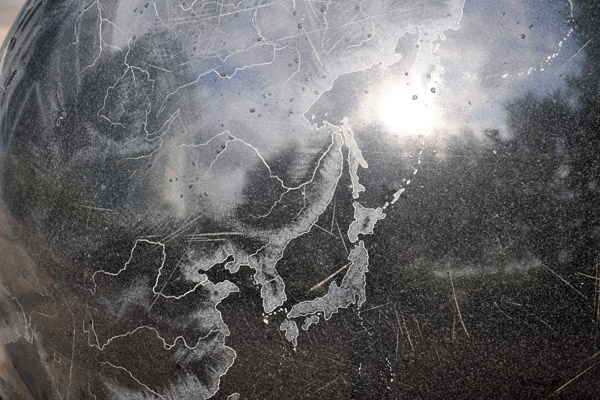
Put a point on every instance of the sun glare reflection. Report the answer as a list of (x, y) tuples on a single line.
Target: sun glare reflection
[(407, 112)]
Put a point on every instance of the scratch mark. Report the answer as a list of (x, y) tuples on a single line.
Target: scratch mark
[(564, 281), (597, 301), (462, 322), (575, 55), (183, 228), (375, 308), (326, 385), (333, 216), (313, 48), (397, 330), (94, 208), (514, 319), (341, 236), (329, 277), (132, 377), (574, 378), (418, 327), (588, 276), (318, 226), (412, 348)]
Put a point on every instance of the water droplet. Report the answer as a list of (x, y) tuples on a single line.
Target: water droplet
[(300, 26), (252, 110), (415, 97), (432, 90), (522, 36)]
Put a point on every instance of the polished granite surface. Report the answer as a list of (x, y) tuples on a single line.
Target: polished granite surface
[(254, 199)]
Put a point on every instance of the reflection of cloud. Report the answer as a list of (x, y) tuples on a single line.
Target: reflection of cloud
[(510, 267), (501, 51)]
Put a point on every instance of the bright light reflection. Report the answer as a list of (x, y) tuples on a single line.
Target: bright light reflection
[(407, 112)]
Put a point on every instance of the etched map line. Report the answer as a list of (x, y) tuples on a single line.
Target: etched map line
[(170, 275)]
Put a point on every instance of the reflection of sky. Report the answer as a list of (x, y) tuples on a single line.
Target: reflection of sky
[(502, 50), (8, 12)]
